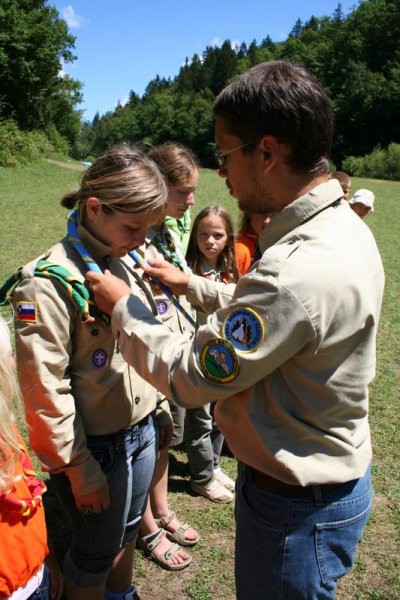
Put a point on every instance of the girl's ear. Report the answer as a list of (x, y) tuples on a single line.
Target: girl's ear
[(93, 208)]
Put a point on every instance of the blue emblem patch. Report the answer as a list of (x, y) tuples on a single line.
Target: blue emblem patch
[(99, 358), (219, 362), (162, 306), (244, 329)]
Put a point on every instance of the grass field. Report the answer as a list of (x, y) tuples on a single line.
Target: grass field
[(32, 220)]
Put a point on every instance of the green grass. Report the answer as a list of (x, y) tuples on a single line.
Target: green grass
[(32, 220)]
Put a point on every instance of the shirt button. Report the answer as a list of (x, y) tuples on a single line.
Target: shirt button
[(137, 400)]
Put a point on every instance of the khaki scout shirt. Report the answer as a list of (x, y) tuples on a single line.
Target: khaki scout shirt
[(74, 380), (168, 313), (295, 404)]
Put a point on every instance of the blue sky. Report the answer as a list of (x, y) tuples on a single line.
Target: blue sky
[(122, 44)]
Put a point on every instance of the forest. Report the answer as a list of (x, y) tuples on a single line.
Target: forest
[(356, 57)]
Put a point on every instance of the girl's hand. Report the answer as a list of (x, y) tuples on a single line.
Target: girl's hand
[(171, 276), (107, 289), (94, 502)]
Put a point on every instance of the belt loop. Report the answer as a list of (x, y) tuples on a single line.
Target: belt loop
[(319, 501)]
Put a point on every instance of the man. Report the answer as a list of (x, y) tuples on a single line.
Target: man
[(292, 390)]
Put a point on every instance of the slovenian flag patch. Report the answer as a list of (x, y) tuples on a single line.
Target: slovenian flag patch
[(26, 311)]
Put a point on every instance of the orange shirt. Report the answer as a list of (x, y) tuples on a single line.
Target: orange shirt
[(23, 539), (245, 246)]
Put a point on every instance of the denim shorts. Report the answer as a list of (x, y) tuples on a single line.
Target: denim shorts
[(128, 459), (296, 548)]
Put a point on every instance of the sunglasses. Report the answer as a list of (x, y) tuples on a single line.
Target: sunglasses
[(220, 157)]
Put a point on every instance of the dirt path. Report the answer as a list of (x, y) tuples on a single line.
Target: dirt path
[(65, 165)]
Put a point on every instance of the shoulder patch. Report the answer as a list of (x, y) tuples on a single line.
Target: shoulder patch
[(244, 329), (219, 362), (26, 311)]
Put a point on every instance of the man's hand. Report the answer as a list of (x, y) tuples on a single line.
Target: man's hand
[(94, 502), (171, 276), (107, 289)]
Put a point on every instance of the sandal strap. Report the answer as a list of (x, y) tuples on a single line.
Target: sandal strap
[(153, 543), (166, 519), (172, 550)]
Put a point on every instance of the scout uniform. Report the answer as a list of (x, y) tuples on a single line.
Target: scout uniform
[(74, 380), (290, 350)]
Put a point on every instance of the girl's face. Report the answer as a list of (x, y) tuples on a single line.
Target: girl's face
[(211, 237), (181, 196), (119, 230)]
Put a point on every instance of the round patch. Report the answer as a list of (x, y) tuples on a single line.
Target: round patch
[(99, 358), (244, 329), (162, 307), (219, 362)]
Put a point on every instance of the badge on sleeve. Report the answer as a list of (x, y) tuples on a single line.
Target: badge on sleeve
[(219, 362), (99, 358), (244, 329), (26, 311)]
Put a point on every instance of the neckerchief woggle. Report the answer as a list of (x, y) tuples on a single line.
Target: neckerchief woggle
[(74, 239)]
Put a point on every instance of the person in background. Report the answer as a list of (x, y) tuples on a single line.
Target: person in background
[(345, 182), (181, 227), (288, 351), (91, 417), (210, 254), (250, 228), (26, 566), (161, 532), (362, 202)]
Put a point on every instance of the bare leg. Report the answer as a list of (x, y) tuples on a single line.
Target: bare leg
[(120, 577)]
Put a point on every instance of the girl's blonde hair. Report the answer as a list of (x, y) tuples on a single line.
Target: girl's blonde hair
[(9, 450), (176, 162), (124, 180), (226, 260)]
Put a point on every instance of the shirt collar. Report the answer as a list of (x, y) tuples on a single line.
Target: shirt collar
[(95, 247), (299, 211)]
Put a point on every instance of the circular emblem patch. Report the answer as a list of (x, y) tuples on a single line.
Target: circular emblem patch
[(244, 329), (99, 358), (219, 362), (162, 307)]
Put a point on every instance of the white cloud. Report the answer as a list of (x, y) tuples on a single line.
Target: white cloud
[(122, 102), (73, 20), (216, 42)]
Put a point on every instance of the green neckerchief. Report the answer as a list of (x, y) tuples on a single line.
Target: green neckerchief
[(76, 290), (164, 242)]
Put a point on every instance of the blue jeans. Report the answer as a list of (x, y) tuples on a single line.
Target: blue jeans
[(296, 548), (128, 459), (42, 592)]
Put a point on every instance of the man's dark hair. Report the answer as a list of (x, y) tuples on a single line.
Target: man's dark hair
[(284, 100)]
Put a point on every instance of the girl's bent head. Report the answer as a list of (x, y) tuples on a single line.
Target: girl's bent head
[(123, 179)]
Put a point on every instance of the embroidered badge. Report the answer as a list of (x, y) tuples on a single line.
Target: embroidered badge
[(162, 306), (99, 358), (244, 329), (26, 311), (219, 362)]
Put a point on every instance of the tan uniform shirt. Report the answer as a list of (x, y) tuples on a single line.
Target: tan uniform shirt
[(290, 351), (74, 380)]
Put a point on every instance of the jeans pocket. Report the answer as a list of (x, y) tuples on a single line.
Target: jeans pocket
[(104, 453), (336, 544)]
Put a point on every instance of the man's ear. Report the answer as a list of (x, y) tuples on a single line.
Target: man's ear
[(270, 150)]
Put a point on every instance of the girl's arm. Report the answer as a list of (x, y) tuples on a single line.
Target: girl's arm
[(44, 348)]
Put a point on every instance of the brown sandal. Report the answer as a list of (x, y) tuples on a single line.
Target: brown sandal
[(178, 535), (150, 542)]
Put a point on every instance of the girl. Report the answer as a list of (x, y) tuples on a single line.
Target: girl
[(250, 229), (160, 526), (91, 416), (23, 538), (210, 254)]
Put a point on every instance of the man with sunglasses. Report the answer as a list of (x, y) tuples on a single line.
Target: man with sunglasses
[(289, 351)]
